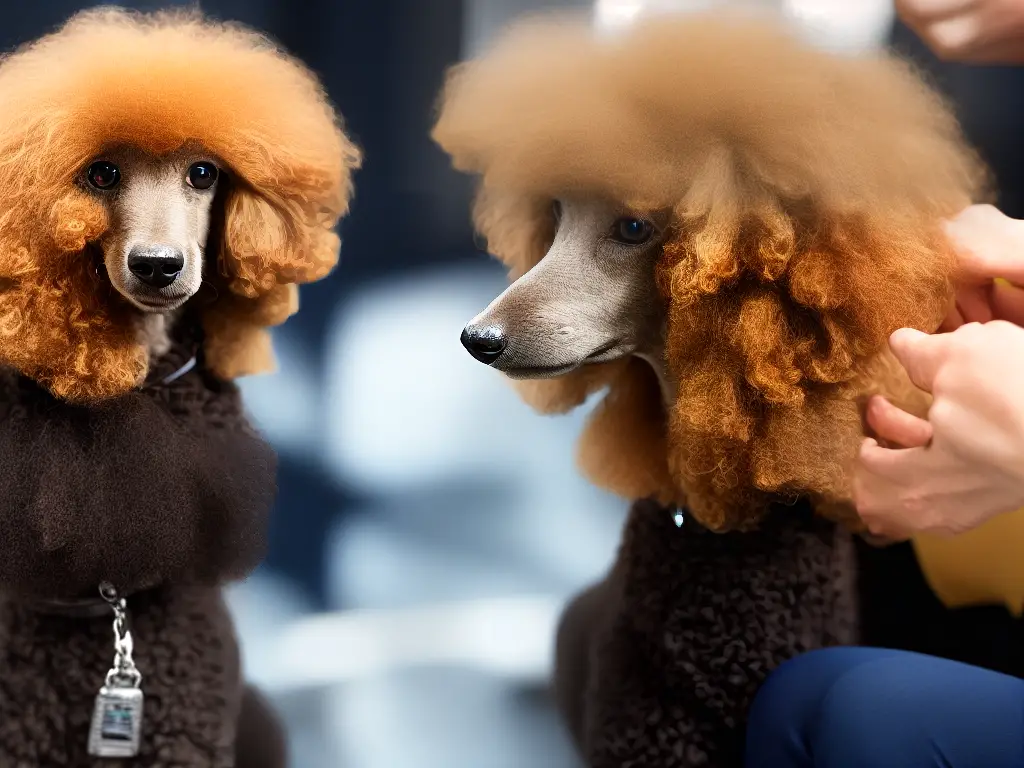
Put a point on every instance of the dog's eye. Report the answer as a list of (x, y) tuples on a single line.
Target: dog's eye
[(202, 175), (103, 174), (632, 231)]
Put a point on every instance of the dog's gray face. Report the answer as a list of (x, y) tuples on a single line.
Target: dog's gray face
[(591, 299), (159, 210)]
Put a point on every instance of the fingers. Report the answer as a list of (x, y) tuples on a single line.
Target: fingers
[(897, 426), (974, 304), (872, 495), (948, 27), (955, 37), (920, 354), (887, 463), (1008, 303), (931, 10), (879, 489), (953, 321), (988, 243)]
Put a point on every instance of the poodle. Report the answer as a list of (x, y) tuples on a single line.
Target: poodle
[(167, 182), (716, 226), (167, 94)]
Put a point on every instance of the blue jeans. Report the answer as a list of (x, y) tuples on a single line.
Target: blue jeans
[(872, 708)]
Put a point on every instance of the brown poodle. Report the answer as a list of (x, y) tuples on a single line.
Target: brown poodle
[(796, 234), (110, 82), (167, 181), (719, 226)]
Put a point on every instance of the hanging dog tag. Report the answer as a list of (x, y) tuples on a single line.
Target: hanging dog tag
[(116, 722), (116, 728)]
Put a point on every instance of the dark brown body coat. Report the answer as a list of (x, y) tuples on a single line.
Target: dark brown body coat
[(164, 492)]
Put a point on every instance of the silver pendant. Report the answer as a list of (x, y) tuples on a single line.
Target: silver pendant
[(116, 728), (116, 722)]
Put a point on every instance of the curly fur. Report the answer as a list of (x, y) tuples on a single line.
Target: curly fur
[(805, 192), (657, 664), (157, 82)]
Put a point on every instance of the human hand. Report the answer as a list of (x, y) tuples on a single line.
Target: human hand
[(989, 246), (970, 31), (965, 463)]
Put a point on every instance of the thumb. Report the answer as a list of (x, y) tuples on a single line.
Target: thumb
[(920, 354)]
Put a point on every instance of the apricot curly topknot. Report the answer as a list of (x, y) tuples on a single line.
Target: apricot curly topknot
[(807, 191), (157, 82)]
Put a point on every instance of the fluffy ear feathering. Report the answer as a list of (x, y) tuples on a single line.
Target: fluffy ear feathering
[(157, 82), (806, 192)]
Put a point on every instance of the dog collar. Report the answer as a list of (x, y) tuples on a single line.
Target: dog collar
[(188, 366), (84, 608)]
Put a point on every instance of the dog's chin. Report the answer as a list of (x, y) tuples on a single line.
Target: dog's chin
[(606, 353), (155, 304), (145, 299)]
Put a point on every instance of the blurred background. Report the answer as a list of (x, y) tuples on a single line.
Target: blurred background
[(429, 526)]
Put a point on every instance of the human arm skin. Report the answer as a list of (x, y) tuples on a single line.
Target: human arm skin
[(968, 31), (965, 463)]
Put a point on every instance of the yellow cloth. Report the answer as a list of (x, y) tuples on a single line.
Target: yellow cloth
[(982, 566)]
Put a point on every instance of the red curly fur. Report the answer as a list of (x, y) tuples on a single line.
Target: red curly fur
[(806, 192), (157, 82)]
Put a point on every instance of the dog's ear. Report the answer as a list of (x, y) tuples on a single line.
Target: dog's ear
[(775, 305), (56, 325), (269, 242), (801, 294), (267, 245), (237, 340), (269, 238)]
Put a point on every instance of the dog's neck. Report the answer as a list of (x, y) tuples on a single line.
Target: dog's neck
[(652, 352), (668, 388), (154, 331)]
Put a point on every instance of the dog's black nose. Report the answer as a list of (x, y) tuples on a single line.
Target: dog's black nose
[(486, 343), (157, 266)]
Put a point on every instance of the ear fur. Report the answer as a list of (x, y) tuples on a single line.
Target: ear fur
[(237, 340), (56, 324), (267, 247), (774, 317), (268, 242)]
